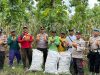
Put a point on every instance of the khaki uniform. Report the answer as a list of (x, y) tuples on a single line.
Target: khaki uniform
[(78, 53), (94, 54), (77, 56), (3, 41)]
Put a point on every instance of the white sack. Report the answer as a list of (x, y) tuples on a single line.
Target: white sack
[(64, 63), (51, 62), (37, 60)]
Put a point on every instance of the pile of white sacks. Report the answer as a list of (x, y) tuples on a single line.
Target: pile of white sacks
[(56, 63)]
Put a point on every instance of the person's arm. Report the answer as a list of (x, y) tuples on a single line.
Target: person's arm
[(46, 37), (38, 37), (49, 40), (81, 47), (9, 40), (57, 41), (20, 39), (31, 38)]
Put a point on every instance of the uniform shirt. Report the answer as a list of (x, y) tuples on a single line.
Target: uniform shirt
[(61, 48), (53, 46), (42, 43), (13, 44), (92, 42), (70, 39), (4, 39), (78, 52)]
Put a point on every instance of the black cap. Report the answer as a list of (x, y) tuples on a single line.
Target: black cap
[(70, 30), (78, 32), (96, 30), (42, 28), (0, 30), (53, 31)]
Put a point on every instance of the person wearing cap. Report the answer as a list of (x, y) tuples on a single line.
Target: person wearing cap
[(63, 43), (3, 41), (13, 48), (77, 54), (42, 43), (25, 40), (94, 52), (53, 41), (70, 38)]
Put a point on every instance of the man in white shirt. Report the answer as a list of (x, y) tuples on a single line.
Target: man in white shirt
[(70, 38)]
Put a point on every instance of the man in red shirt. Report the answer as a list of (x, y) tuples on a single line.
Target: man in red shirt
[(25, 40)]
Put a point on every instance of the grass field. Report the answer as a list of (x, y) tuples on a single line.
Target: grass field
[(19, 70)]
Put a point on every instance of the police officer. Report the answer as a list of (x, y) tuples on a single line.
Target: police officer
[(94, 52), (3, 41), (77, 54)]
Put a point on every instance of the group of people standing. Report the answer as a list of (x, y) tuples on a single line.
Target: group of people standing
[(21, 47)]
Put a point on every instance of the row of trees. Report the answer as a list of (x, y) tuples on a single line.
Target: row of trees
[(52, 14)]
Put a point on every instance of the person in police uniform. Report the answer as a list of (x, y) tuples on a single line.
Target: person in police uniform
[(94, 52), (3, 42), (77, 54)]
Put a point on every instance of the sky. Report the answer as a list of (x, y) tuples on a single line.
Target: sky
[(92, 3)]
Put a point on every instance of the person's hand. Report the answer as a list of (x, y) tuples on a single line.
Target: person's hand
[(74, 44), (66, 44), (38, 37), (52, 41), (97, 42), (45, 38), (1, 42), (14, 38)]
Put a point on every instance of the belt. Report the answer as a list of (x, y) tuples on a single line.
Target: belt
[(96, 50), (69, 46)]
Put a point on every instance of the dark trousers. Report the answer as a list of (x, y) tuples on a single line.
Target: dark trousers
[(45, 53), (78, 66), (12, 54), (94, 62), (2, 58), (26, 54)]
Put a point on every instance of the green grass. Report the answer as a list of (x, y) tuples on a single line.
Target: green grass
[(20, 71)]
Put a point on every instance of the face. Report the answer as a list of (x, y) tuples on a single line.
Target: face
[(62, 35), (25, 29), (53, 33), (78, 36), (42, 30), (95, 33), (13, 33), (71, 32)]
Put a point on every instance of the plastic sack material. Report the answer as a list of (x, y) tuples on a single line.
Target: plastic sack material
[(51, 62), (64, 63), (37, 60)]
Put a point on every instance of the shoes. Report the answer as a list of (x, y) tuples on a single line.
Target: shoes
[(13, 67)]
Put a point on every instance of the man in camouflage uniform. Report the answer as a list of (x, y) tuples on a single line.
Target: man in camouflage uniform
[(94, 52)]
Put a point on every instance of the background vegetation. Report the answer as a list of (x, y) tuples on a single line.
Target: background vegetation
[(52, 14)]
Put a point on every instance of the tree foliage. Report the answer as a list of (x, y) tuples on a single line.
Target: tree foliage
[(52, 14)]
